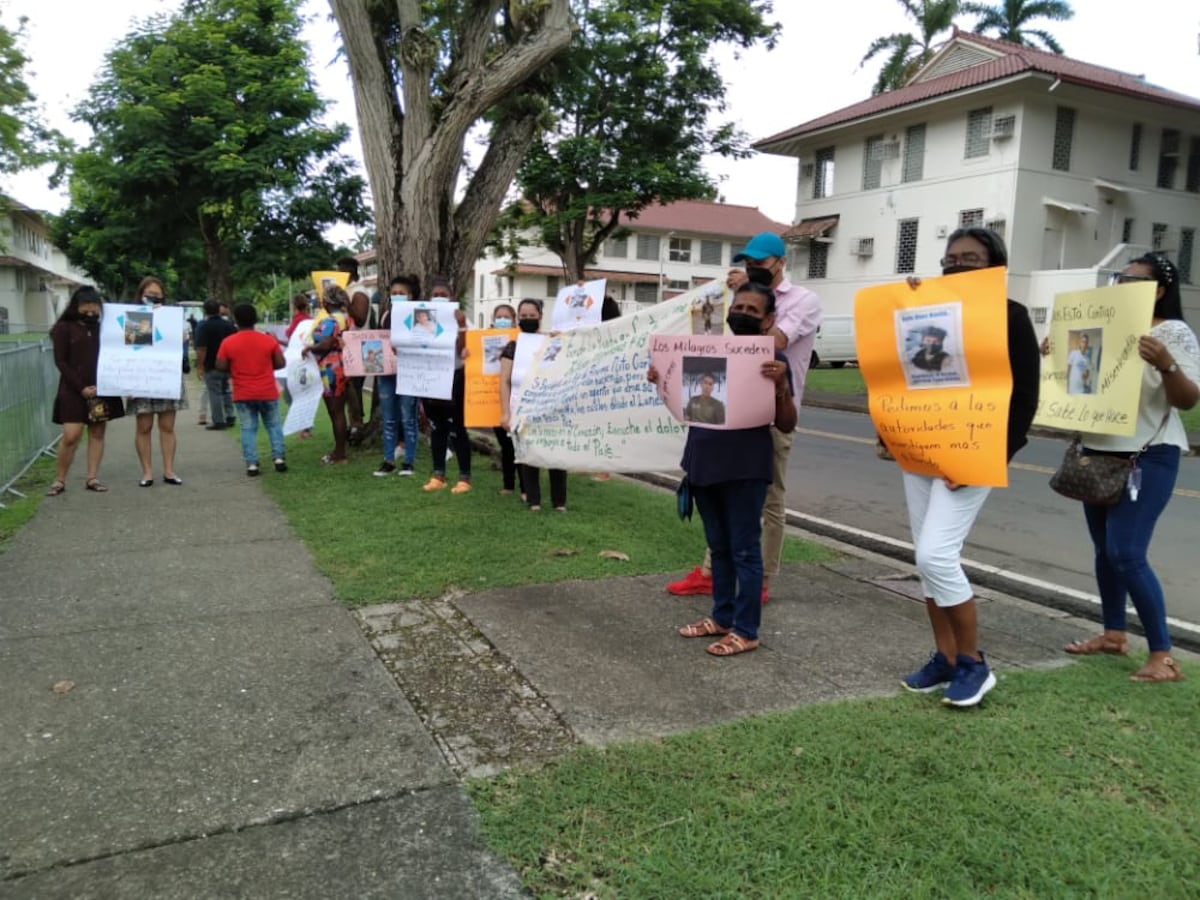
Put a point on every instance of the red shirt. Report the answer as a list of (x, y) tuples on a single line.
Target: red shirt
[(251, 357), (296, 320)]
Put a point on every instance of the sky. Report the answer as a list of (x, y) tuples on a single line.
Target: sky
[(813, 70)]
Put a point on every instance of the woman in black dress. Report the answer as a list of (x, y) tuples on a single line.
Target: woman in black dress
[(76, 339)]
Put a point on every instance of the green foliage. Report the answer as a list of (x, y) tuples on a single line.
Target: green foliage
[(1009, 20), (631, 109), (24, 140), (208, 154), (906, 53)]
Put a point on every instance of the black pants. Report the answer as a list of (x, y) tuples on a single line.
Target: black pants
[(531, 482), (446, 428), (508, 459)]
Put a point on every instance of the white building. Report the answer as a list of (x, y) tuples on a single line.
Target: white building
[(1077, 166), (36, 280)]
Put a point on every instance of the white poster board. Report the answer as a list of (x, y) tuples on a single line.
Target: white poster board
[(424, 336), (577, 305), (141, 352)]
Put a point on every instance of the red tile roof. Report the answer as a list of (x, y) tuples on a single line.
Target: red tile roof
[(608, 274), (1016, 60), (814, 227), (704, 217)]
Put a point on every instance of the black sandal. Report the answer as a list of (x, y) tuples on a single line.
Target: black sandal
[(55, 489), (94, 484)]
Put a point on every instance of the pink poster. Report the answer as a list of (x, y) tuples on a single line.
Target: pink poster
[(368, 353), (715, 381)]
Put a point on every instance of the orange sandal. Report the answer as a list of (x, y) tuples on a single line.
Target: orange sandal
[(706, 627), (731, 645), (1099, 644)]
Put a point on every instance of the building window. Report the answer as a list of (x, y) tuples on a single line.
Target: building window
[(872, 162), (970, 218), (1158, 235), (823, 174), (1135, 147), (818, 259), (482, 286), (681, 285), (1064, 132), (1168, 158), (680, 250), (1127, 231), (914, 153), (553, 283), (712, 253), (1187, 242), (645, 293), (979, 132), (1192, 179), (647, 246), (618, 248), (999, 226), (906, 245)]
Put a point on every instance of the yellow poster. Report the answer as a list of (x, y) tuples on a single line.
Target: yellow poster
[(322, 280), (1092, 378), (935, 360), (481, 407)]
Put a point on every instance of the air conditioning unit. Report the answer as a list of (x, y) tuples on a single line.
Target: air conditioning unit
[(889, 150), (1003, 128), (863, 246), (807, 169)]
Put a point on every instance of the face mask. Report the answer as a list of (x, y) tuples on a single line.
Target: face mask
[(957, 270), (399, 298), (744, 324), (760, 275), (502, 323), (530, 326), (90, 318)]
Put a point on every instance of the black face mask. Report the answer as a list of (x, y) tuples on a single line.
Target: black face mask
[(760, 275), (90, 318), (957, 270), (529, 326), (744, 324)]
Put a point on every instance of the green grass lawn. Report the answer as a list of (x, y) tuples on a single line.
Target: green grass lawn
[(23, 338), (19, 510), (837, 381), (1073, 783)]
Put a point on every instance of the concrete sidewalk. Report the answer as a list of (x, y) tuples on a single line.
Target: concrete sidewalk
[(233, 731)]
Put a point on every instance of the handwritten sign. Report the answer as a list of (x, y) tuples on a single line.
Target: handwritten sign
[(577, 305), (935, 361), (1092, 379), (585, 403), (481, 408), (322, 280), (715, 382), (368, 353), (424, 336), (141, 352)]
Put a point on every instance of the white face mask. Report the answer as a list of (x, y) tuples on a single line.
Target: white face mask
[(399, 298)]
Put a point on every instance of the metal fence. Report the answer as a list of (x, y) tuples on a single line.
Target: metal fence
[(30, 380)]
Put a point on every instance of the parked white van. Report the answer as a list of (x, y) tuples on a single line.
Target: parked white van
[(835, 342)]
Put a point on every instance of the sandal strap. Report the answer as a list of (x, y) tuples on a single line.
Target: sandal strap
[(731, 645)]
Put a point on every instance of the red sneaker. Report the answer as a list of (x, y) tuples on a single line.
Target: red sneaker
[(765, 598), (695, 582)]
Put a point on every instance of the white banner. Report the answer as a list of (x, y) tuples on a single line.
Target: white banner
[(141, 352), (578, 305), (585, 404), (303, 381), (424, 335)]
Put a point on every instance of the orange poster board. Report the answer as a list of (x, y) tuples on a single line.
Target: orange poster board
[(935, 361), (481, 408)]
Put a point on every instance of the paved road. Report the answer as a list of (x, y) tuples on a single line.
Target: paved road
[(1027, 529)]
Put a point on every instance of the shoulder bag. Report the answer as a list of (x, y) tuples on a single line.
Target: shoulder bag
[(1099, 479)]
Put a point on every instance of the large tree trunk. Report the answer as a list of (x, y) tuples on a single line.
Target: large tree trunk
[(219, 268)]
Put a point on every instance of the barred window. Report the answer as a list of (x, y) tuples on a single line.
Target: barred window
[(1064, 132), (1168, 158), (645, 293), (914, 153), (823, 174), (647, 246), (1187, 243), (979, 132), (818, 259), (680, 250), (553, 283), (1158, 235), (1192, 181), (970, 218), (1135, 147), (1127, 231), (872, 162), (712, 253), (906, 245), (618, 248)]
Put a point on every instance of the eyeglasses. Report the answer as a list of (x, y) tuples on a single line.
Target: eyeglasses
[(1122, 278), (964, 259)]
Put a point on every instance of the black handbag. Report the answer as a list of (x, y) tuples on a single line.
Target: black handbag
[(1092, 479)]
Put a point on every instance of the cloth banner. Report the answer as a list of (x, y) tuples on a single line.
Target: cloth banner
[(935, 360), (141, 352), (303, 380), (481, 408), (577, 305), (1092, 379), (424, 336), (368, 353), (322, 280), (715, 382)]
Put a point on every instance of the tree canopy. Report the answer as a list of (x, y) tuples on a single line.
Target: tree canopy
[(1010, 21), (24, 139), (208, 156), (907, 52)]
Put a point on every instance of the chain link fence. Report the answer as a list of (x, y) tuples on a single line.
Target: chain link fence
[(30, 381)]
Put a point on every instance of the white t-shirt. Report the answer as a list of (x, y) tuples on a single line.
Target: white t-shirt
[(1153, 405)]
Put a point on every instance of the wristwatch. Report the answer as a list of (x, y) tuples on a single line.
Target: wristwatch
[(1173, 367)]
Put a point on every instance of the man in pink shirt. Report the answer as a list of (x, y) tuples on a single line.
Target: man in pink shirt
[(797, 316), (252, 357)]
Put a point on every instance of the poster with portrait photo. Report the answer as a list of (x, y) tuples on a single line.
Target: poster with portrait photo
[(493, 345), (139, 329), (705, 387), (1083, 359), (930, 346)]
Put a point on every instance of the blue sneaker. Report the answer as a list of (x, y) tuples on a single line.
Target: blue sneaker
[(937, 673), (972, 679)]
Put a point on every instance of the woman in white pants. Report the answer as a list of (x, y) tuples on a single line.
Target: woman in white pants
[(942, 512)]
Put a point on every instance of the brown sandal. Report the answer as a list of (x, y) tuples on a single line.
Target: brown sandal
[(706, 627), (731, 645), (94, 485), (1165, 669), (55, 489), (1099, 644)]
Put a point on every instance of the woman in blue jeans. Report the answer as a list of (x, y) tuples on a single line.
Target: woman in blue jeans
[(728, 472), (399, 411), (1121, 533)]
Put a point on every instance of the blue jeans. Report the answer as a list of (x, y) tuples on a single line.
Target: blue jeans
[(1121, 535), (248, 412), (732, 514), (399, 411)]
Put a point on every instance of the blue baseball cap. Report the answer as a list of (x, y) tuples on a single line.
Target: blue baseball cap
[(761, 246)]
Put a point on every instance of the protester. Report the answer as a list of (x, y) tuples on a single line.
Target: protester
[(399, 411), (941, 512), (446, 424), (358, 312), (1121, 533), (529, 320), (212, 331), (504, 316), (326, 348), (727, 472), (76, 340), (251, 358), (152, 293), (797, 317), (300, 313)]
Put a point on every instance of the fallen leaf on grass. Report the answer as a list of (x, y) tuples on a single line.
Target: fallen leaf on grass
[(614, 554), (564, 551), (61, 687)]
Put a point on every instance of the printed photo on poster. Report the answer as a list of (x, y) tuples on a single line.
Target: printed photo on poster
[(1083, 359), (708, 312), (929, 342), (552, 350), (705, 386), (493, 346), (139, 329), (425, 320), (372, 356)]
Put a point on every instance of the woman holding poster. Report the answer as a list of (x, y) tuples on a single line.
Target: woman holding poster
[(152, 293), (941, 512), (727, 472), (325, 348), (1121, 533)]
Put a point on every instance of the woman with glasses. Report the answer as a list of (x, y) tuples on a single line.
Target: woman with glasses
[(152, 293), (941, 512), (1121, 533)]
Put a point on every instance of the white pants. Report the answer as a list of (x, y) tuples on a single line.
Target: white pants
[(940, 520)]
